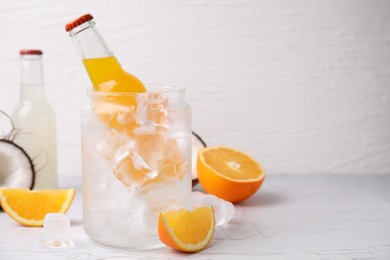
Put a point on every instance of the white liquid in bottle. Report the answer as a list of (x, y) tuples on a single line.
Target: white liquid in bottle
[(35, 119)]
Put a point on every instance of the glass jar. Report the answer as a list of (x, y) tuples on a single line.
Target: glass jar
[(136, 150)]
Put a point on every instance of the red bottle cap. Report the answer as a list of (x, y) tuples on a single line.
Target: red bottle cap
[(76, 22), (30, 52)]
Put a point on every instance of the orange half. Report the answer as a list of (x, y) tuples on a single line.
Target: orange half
[(29, 208), (228, 173)]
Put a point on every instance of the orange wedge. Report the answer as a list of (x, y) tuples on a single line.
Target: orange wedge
[(30, 207), (228, 174), (188, 231)]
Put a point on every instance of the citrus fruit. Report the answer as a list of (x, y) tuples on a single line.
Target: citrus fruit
[(30, 207), (188, 231), (228, 174)]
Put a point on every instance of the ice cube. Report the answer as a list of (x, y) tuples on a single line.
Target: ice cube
[(152, 108), (56, 232), (113, 144), (172, 166), (117, 111), (131, 169), (126, 163), (224, 210), (144, 154), (150, 147)]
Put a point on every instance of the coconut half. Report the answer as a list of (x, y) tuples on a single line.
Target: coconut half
[(16, 167), (197, 145)]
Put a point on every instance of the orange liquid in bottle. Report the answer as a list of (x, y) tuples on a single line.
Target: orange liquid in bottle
[(107, 75)]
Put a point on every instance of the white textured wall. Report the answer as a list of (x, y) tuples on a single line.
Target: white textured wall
[(302, 86)]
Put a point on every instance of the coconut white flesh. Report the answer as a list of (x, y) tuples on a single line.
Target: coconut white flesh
[(15, 167), (197, 145)]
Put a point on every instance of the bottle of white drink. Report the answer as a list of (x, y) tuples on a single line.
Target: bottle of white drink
[(35, 120)]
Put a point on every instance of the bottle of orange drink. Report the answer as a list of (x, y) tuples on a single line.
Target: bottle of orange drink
[(106, 75), (102, 66), (118, 99)]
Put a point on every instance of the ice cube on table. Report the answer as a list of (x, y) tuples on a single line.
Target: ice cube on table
[(223, 210), (56, 232)]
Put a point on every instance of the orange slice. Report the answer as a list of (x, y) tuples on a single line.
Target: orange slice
[(30, 207), (188, 231), (228, 174)]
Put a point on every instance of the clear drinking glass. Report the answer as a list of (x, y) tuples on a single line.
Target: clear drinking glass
[(136, 150)]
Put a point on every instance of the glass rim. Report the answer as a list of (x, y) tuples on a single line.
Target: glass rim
[(152, 89)]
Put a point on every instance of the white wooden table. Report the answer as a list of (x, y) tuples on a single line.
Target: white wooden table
[(291, 217)]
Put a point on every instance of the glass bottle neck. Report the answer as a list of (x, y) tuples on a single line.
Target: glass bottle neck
[(31, 70), (32, 84), (89, 42)]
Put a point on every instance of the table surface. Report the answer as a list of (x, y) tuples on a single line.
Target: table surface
[(291, 217)]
